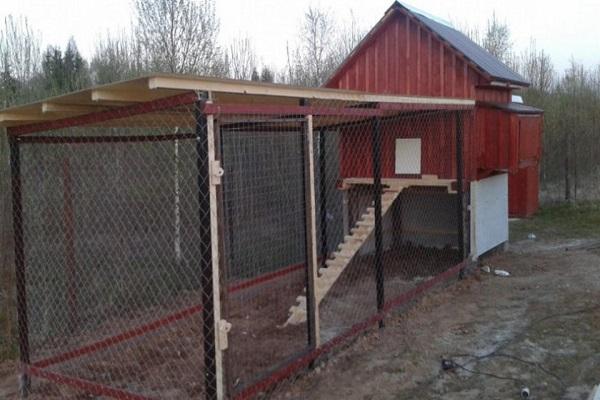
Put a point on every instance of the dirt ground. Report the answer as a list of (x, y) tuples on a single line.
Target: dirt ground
[(538, 328)]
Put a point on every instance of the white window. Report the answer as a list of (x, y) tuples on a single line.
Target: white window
[(408, 156)]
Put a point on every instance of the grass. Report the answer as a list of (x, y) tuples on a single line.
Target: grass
[(563, 221)]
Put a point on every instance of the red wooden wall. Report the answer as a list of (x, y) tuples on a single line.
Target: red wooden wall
[(401, 56), (437, 132)]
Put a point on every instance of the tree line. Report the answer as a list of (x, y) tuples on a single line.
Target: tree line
[(570, 167), (175, 36)]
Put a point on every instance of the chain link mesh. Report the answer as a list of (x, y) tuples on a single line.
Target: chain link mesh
[(119, 244)]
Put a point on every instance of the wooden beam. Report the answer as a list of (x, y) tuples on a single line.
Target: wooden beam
[(221, 326), (251, 88), (311, 232), (21, 117), (48, 107), (128, 96)]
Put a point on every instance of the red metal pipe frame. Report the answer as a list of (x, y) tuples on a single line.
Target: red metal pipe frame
[(157, 324), (304, 362), (37, 368), (103, 116), (379, 111), (91, 387)]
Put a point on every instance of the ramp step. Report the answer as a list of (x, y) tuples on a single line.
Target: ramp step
[(346, 252)]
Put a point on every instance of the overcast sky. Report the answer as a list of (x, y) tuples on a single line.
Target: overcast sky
[(564, 29)]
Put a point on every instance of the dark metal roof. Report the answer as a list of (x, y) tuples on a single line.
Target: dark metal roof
[(471, 50), (518, 108)]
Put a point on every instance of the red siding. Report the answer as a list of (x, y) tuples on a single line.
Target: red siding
[(523, 189), (403, 57), (438, 146)]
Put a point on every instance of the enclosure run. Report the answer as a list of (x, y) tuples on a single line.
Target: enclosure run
[(187, 237)]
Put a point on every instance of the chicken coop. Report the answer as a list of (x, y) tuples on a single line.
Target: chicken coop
[(185, 237), (410, 52)]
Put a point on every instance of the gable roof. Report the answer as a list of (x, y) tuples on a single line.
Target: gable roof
[(485, 62), (471, 50)]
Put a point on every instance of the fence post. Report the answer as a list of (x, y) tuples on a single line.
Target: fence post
[(377, 190), (460, 211), (312, 306), (323, 196), (209, 253), (17, 215)]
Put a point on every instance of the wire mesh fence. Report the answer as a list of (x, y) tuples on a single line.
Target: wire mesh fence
[(187, 249)]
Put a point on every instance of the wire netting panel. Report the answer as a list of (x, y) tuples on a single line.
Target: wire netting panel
[(264, 241), (115, 258), (298, 228)]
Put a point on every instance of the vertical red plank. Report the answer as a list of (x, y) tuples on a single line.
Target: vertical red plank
[(418, 40), (407, 56), (429, 65), (396, 57), (454, 73), (442, 71)]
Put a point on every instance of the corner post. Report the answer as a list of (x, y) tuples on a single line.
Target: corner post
[(460, 174), (17, 215), (378, 231), (208, 179)]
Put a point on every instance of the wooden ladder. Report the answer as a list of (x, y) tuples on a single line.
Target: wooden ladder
[(343, 256)]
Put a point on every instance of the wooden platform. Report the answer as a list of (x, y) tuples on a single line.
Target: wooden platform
[(358, 236), (402, 183)]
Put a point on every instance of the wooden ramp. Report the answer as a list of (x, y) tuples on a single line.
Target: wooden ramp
[(359, 235), (344, 255)]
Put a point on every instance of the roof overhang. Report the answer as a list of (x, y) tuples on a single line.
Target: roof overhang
[(222, 91)]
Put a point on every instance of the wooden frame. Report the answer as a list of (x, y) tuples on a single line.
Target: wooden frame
[(113, 97), (312, 304)]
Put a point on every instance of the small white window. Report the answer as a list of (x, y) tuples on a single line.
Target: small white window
[(408, 156)]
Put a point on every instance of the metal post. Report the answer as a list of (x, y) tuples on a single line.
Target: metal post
[(460, 212), (206, 278), (323, 196), (17, 210), (377, 190)]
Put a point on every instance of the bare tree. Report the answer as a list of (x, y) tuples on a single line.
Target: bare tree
[(536, 66), (242, 59), (116, 57), (179, 36), (349, 36), (19, 60), (497, 39), (19, 64), (323, 46)]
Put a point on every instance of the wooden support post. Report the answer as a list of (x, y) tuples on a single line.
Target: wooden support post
[(323, 196), (17, 215), (208, 178), (460, 210), (69, 232), (378, 231), (312, 306)]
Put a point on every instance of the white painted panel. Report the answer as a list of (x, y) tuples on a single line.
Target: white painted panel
[(489, 213), (408, 156)]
